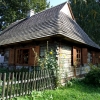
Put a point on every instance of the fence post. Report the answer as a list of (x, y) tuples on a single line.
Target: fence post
[(34, 80), (3, 86), (12, 79), (8, 85), (27, 82), (21, 84)]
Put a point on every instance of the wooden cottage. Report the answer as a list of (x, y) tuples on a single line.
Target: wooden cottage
[(56, 25)]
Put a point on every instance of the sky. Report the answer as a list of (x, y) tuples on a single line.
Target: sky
[(56, 2)]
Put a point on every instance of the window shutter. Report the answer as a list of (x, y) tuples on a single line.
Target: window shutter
[(74, 55), (11, 56), (16, 57), (93, 57), (34, 53), (84, 55), (99, 58)]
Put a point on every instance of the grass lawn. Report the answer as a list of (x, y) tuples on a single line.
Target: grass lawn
[(78, 91)]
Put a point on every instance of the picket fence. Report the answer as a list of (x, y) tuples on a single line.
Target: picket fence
[(14, 84)]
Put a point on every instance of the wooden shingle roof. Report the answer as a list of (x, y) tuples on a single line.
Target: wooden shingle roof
[(46, 23)]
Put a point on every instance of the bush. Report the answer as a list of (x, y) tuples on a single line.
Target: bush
[(49, 60), (93, 77)]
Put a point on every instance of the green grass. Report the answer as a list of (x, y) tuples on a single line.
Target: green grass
[(78, 91)]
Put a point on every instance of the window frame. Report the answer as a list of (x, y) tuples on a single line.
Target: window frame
[(32, 60), (20, 59), (82, 55), (75, 55)]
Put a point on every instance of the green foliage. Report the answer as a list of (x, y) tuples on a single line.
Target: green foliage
[(79, 91), (33, 96), (73, 81), (12, 10), (48, 61), (6, 70), (87, 15), (69, 83), (3, 70), (93, 77)]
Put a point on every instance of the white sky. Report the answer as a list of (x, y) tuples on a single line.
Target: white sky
[(56, 2)]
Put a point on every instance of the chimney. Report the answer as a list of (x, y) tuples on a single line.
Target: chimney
[(30, 13)]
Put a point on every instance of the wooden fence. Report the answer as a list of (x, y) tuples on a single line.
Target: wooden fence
[(22, 83)]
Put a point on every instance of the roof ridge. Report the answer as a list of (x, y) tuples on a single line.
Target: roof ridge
[(48, 9), (20, 20)]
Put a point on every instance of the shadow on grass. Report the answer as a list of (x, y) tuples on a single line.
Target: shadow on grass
[(80, 86)]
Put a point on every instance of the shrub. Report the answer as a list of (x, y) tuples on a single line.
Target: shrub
[(93, 77), (49, 60), (69, 83)]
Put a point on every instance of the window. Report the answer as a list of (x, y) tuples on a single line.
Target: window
[(6, 56), (24, 56), (78, 53), (76, 56), (79, 56)]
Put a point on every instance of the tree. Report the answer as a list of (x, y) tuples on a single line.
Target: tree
[(87, 15), (12, 10)]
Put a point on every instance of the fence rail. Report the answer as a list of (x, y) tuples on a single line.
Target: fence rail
[(22, 83)]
